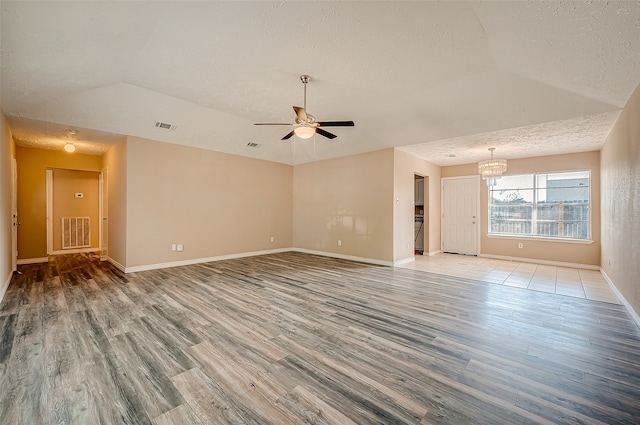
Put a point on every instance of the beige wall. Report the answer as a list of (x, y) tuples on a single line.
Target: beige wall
[(115, 164), (620, 168), (405, 167), (66, 183), (7, 153), (579, 253), (213, 203), (349, 199), (32, 169)]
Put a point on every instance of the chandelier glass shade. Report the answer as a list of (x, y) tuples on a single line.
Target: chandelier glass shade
[(491, 170)]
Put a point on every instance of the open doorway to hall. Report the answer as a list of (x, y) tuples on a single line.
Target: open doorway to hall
[(421, 216), (73, 211)]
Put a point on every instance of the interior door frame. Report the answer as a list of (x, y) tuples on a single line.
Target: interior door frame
[(478, 216), (103, 229), (14, 214), (49, 189)]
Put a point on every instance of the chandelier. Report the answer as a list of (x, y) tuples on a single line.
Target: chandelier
[(492, 169)]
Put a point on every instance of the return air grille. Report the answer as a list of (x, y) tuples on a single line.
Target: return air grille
[(76, 232)]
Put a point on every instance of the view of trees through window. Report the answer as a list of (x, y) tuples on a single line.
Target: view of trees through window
[(549, 205)]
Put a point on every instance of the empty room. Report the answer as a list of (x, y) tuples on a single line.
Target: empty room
[(289, 212)]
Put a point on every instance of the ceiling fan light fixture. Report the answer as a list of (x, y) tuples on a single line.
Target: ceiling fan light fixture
[(305, 132), (491, 170), (70, 147)]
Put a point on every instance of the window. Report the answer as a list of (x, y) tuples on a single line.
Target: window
[(550, 205)]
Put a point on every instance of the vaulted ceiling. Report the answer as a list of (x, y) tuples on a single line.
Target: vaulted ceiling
[(443, 80)]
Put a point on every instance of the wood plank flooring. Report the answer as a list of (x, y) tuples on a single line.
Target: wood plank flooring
[(299, 339)]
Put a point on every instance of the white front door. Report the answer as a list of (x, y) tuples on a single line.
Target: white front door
[(460, 213)]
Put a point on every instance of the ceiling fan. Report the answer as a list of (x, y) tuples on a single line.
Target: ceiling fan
[(305, 124)]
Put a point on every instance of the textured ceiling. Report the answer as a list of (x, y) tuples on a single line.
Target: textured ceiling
[(443, 80)]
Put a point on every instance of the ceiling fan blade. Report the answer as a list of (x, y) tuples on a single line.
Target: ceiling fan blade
[(271, 123), (300, 113), (335, 123), (325, 133), (288, 136)]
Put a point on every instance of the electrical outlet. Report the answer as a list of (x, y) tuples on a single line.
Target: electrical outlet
[(173, 247), (520, 245), (339, 242), (272, 239), (180, 247)]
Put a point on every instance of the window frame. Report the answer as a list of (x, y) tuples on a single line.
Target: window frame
[(534, 205)]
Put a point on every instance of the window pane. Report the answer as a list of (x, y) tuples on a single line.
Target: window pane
[(560, 207), (511, 211), (522, 181)]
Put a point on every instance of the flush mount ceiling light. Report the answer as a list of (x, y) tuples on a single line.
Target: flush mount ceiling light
[(70, 147), (491, 170)]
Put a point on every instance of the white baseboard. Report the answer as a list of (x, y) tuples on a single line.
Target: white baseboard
[(74, 251), (432, 253), (404, 261), (155, 266), (545, 262), (198, 260), (115, 264), (5, 285), (33, 260), (344, 257), (621, 298)]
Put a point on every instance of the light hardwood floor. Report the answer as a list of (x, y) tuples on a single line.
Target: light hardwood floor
[(296, 338)]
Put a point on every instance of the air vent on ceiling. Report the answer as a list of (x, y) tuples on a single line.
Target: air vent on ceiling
[(165, 126), (253, 145)]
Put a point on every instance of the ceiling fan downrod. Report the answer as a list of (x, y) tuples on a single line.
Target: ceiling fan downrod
[(305, 79)]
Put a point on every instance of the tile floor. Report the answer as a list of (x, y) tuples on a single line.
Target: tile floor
[(579, 283)]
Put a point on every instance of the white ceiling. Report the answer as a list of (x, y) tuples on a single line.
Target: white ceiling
[(444, 81)]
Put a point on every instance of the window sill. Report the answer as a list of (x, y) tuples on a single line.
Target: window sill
[(543, 239)]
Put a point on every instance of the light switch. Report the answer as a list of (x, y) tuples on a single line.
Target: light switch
[(180, 247)]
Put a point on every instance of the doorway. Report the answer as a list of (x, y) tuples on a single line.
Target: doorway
[(421, 216), (73, 211), (460, 215)]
